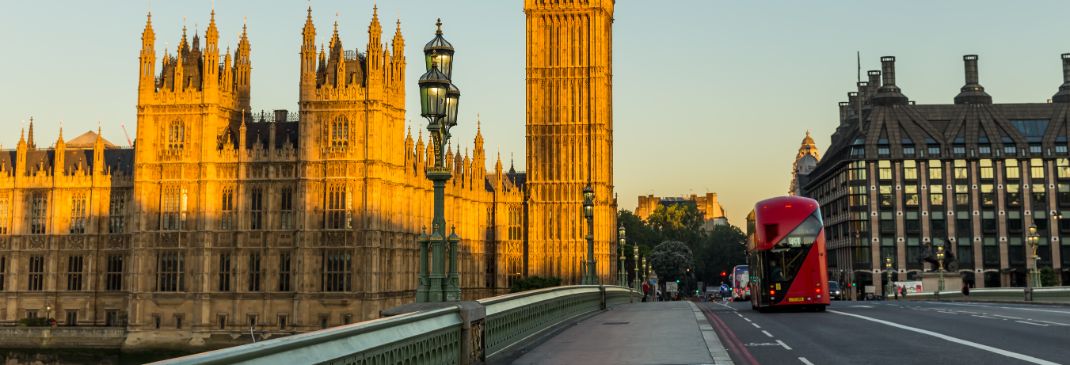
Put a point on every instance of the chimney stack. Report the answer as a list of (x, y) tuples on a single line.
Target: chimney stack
[(888, 93), (874, 82), (972, 92), (1063, 96), (863, 92)]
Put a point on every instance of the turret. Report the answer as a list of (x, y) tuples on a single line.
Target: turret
[(20, 155), (29, 138), (59, 155), (889, 93), (243, 68), (1063, 96), (972, 92), (308, 54), (147, 75), (98, 154), (375, 45), (336, 64), (210, 74)]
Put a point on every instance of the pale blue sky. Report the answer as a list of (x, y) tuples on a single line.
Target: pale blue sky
[(709, 95)]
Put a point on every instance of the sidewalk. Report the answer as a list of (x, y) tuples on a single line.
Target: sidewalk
[(637, 333)]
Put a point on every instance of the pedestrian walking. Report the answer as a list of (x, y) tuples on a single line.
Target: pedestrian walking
[(965, 289)]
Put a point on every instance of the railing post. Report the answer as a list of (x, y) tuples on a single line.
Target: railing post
[(473, 347), (602, 293)]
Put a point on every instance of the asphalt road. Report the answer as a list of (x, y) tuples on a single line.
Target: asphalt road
[(892, 332)]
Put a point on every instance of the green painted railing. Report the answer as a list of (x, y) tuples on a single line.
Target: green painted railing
[(464, 333)]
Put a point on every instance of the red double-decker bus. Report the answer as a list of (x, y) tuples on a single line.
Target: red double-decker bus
[(787, 255)]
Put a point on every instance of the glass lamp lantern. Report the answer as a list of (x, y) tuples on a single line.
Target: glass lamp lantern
[(439, 53), (434, 86), (588, 202), (453, 96)]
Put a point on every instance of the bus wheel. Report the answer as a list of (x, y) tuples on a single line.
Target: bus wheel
[(820, 308)]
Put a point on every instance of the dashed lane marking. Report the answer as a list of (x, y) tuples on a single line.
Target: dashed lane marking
[(786, 347), (1010, 354), (767, 333), (805, 361), (755, 325), (1034, 324)]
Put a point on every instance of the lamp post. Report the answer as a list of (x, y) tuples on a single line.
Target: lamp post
[(940, 260), (888, 273), (438, 103), (635, 258), (589, 278), (622, 273), (1033, 239)]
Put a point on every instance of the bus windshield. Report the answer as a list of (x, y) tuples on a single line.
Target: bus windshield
[(786, 257)]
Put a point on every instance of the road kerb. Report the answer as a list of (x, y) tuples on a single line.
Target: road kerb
[(713, 343)]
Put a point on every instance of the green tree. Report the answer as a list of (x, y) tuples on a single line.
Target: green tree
[(670, 260), (721, 249), (677, 222)]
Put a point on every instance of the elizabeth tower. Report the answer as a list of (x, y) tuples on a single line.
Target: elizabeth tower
[(569, 134)]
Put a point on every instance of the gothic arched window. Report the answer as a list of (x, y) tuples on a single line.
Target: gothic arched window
[(176, 135), (339, 133)]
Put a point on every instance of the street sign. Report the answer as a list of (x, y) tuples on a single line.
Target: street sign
[(671, 287)]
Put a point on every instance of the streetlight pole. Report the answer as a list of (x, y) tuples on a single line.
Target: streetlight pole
[(622, 274), (635, 258), (590, 278), (940, 260), (438, 103), (1032, 239), (888, 273)]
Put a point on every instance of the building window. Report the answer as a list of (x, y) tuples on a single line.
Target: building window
[(36, 277), (936, 194), (5, 216), (1014, 195), (284, 271), (337, 212), (961, 170), (282, 321), (176, 135), (72, 318), (1035, 148), (324, 319), (286, 208), (117, 213), (1060, 149), (226, 220), (224, 272), (172, 208), (908, 150), (77, 213), (958, 150), (38, 212), (1036, 171), (336, 271), (256, 208), (251, 319), (936, 171), (3, 271), (1010, 150), (178, 321), (910, 170), (934, 150), (74, 272), (910, 195), (339, 133), (111, 318), (986, 170), (114, 274), (883, 151), (254, 271), (221, 319), (962, 196), (169, 271), (984, 150), (887, 197)]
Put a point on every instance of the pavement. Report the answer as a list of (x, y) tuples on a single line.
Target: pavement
[(675, 333)]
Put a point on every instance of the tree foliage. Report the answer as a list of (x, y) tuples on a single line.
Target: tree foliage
[(671, 259)]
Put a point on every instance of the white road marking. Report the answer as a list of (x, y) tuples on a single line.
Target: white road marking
[(1002, 316), (1048, 322), (1034, 324), (783, 344), (1010, 354), (746, 319), (805, 361), (755, 325), (861, 306), (767, 333)]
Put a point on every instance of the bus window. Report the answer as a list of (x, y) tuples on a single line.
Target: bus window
[(788, 255)]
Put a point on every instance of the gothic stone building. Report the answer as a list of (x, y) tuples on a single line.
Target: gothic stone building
[(972, 175), (219, 221)]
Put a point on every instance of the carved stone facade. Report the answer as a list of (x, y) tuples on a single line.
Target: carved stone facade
[(219, 221), (569, 135), (805, 162)]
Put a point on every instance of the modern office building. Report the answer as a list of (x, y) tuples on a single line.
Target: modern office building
[(900, 178)]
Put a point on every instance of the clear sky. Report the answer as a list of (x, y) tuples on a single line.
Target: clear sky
[(709, 95)]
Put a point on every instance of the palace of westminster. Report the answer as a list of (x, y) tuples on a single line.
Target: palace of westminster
[(218, 221)]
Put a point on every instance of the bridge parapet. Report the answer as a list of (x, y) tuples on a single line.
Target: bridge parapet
[(460, 333)]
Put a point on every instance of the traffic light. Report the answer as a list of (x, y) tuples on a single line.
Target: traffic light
[(677, 281), (723, 274)]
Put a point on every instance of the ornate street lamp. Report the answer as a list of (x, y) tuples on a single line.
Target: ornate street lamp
[(940, 260), (888, 272), (622, 274), (438, 103), (635, 258), (1033, 239), (588, 212)]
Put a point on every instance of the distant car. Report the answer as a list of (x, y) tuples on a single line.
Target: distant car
[(835, 292)]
